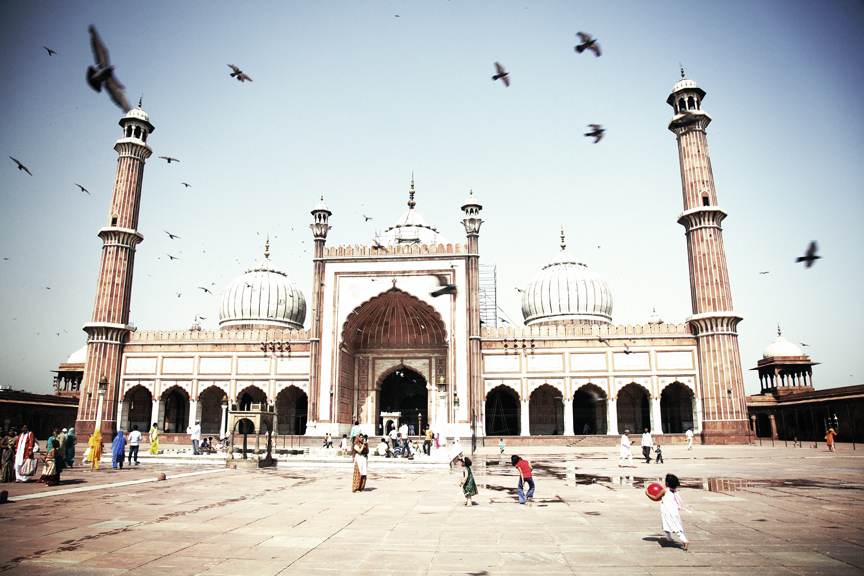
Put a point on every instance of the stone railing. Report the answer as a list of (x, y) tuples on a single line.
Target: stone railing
[(590, 330), (406, 250), (218, 335)]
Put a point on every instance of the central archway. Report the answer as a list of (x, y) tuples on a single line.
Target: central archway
[(404, 391)]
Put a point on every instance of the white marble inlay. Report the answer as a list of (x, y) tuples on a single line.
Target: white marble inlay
[(140, 365), (253, 365), (500, 363), (674, 360), (592, 362), (545, 362), (634, 361), (215, 366), (177, 365)]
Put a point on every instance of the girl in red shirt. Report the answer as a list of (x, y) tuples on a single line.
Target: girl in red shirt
[(524, 478)]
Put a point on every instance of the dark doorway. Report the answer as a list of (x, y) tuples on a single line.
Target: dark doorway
[(250, 395), (210, 401), (546, 411), (634, 408), (140, 408), (502, 412), (676, 408), (292, 407), (404, 391), (589, 410), (176, 410)]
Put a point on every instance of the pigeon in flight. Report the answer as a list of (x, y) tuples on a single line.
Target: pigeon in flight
[(50, 52), (596, 131), (588, 43), (627, 349), (83, 189), (445, 287), (172, 258), (239, 74), (519, 289), (367, 217), (104, 74), (21, 166), (172, 236), (169, 159), (809, 256), (766, 272), (501, 74), (205, 290), (186, 185)]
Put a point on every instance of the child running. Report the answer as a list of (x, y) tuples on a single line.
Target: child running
[(469, 487), (669, 506)]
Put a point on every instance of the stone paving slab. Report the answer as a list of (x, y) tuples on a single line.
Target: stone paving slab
[(754, 511)]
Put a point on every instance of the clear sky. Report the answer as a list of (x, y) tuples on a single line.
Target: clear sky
[(349, 98)]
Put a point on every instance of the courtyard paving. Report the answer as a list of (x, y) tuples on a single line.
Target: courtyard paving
[(755, 510)]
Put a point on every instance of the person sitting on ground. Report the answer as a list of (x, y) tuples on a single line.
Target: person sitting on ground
[(383, 449)]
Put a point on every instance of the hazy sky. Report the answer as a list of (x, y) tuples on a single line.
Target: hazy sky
[(348, 99)]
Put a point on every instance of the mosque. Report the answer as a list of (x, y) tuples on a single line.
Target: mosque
[(393, 332)]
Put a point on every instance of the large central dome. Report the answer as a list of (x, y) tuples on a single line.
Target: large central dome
[(262, 298), (567, 292)]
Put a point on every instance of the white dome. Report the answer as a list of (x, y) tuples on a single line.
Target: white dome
[(263, 297), (411, 228), (781, 348), (567, 291), (684, 83), (78, 357), (138, 114)]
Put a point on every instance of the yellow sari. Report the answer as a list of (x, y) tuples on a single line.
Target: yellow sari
[(95, 454), (154, 440)]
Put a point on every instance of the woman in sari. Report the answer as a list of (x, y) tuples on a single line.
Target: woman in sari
[(7, 459), (50, 473), (94, 453), (118, 450), (71, 440), (361, 454), (154, 439)]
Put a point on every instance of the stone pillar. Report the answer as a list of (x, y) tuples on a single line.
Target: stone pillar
[(773, 427), (525, 420), (193, 413), (123, 416), (656, 417), (568, 417), (223, 426), (154, 414), (612, 417), (697, 415)]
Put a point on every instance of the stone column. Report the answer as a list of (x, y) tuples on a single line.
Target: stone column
[(223, 426), (568, 417), (656, 417), (525, 421), (154, 414), (123, 417), (697, 415), (611, 417), (193, 413)]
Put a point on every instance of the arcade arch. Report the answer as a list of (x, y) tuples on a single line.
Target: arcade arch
[(502, 412), (677, 409), (634, 408), (210, 402), (292, 408), (589, 410), (250, 395), (140, 408), (546, 411), (175, 418), (404, 391)]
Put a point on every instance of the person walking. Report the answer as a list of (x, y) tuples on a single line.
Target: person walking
[(469, 487), (7, 458), (625, 449), (829, 439), (501, 446), (427, 442), (659, 452), (134, 444), (525, 477), (355, 430), (154, 439), (344, 445), (118, 450), (361, 463), (61, 449), (670, 504), (23, 452), (94, 450), (647, 446), (71, 441), (195, 436), (403, 430), (689, 435)]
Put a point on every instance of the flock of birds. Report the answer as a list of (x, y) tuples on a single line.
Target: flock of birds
[(588, 43)]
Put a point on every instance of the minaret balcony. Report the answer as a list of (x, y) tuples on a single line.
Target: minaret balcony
[(702, 217)]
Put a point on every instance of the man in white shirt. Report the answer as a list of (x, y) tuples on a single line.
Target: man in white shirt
[(647, 445), (195, 435), (689, 439), (134, 442), (403, 430), (625, 449)]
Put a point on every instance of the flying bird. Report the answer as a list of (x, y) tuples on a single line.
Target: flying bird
[(172, 236), (21, 166), (172, 257), (367, 217), (596, 131), (50, 52), (239, 74), (802, 344), (169, 159), (205, 290), (519, 289), (588, 43), (766, 272), (178, 294), (445, 287), (501, 74), (83, 189), (809, 256), (104, 74), (627, 349), (186, 185)]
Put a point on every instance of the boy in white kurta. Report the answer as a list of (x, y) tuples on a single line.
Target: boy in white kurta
[(670, 503)]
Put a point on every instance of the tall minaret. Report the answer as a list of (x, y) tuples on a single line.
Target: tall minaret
[(472, 223), (109, 327), (713, 321), (320, 226)]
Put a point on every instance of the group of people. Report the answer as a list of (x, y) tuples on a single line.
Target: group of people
[(21, 455), (648, 447)]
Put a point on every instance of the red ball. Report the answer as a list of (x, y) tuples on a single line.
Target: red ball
[(655, 491)]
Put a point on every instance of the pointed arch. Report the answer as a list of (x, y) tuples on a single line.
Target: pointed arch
[(394, 319)]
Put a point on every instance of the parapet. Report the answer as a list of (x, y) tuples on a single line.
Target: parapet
[(585, 330), (219, 336), (402, 250)]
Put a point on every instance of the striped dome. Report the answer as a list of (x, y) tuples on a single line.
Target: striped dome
[(262, 298)]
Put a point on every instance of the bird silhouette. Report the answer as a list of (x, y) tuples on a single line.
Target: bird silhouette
[(186, 185), (588, 43), (627, 349), (502, 75), (367, 217), (205, 290), (178, 294), (169, 159), (519, 289), (172, 236), (104, 73), (596, 131), (239, 74), (445, 286), (810, 256), (766, 272), (50, 52), (802, 344), (21, 166), (172, 257), (83, 189)]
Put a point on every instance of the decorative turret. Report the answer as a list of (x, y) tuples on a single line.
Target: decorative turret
[(472, 219), (321, 215)]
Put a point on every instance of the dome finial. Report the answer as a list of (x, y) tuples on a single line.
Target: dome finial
[(411, 202), (682, 69), (778, 330), (267, 247), (140, 100), (563, 244)]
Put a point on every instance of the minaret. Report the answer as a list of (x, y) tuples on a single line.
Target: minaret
[(109, 327), (472, 224), (713, 321), (321, 216)]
